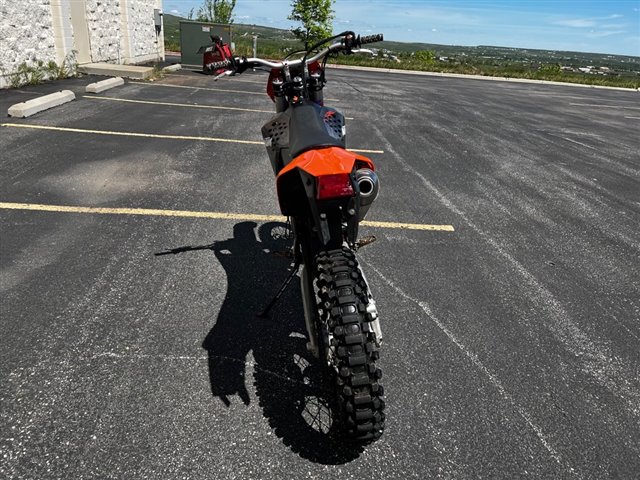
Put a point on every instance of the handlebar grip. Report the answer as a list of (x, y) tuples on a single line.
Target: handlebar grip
[(218, 65), (371, 38)]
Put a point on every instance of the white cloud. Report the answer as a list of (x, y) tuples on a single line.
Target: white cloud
[(434, 29), (594, 34), (589, 22), (576, 23)]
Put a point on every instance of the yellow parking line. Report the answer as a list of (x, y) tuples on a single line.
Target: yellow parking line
[(408, 226), (152, 135), (131, 134), (190, 105), (236, 79), (198, 88), (264, 94), (195, 214), (139, 211), (364, 150)]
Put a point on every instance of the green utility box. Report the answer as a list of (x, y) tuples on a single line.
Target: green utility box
[(193, 35)]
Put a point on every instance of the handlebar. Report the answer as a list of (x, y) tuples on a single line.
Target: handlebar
[(348, 43)]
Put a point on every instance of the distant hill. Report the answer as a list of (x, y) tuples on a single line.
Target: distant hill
[(273, 39)]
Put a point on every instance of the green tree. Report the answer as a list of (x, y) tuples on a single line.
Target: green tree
[(216, 11), (315, 16)]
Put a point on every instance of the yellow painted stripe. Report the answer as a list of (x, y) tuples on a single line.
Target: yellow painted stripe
[(408, 226), (242, 80), (224, 90), (192, 214), (151, 135), (131, 134), (189, 105), (362, 150), (140, 211)]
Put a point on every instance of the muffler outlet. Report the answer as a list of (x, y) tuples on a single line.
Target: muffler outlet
[(368, 186)]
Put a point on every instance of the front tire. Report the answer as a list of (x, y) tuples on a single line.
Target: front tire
[(349, 343)]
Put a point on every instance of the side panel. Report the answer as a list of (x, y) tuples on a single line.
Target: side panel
[(276, 137)]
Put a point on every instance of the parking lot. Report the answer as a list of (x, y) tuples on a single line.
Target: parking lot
[(137, 247)]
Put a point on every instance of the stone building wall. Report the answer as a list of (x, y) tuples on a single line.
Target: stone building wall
[(103, 21), (142, 27), (26, 34), (40, 31)]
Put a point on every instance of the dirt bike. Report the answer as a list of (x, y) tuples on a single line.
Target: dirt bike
[(326, 190)]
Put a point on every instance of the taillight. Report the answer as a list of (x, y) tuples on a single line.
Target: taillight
[(334, 186)]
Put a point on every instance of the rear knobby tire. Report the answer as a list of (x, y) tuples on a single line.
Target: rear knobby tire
[(350, 344)]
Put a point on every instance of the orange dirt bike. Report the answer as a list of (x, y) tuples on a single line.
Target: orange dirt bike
[(326, 190)]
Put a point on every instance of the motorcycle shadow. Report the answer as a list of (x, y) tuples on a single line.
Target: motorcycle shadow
[(292, 387)]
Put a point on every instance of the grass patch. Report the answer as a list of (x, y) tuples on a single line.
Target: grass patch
[(37, 71)]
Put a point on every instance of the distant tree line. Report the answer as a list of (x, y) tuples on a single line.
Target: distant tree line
[(214, 11), (315, 17)]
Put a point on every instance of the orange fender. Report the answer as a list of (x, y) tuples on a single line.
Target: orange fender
[(327, 161)]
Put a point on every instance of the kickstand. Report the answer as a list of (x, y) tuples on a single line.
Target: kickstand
[(285, 284)]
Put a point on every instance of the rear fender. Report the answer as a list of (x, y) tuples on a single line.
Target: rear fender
[(327, 161), (315, 163), (296, 183)]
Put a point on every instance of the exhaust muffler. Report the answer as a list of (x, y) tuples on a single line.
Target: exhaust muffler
[(368, 186)]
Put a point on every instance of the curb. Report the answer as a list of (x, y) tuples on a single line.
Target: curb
[(116, 70), (35, 105), (103, 85), (476, 77), (172, 68)]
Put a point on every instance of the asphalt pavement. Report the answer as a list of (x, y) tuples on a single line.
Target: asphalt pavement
[(139, 239)]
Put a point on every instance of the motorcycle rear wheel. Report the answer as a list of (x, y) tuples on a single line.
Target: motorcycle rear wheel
[(350, 344)]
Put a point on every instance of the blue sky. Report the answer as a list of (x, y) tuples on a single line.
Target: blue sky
[(605, 26)]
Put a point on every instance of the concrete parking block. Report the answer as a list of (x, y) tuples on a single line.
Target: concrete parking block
[(109, 69), (103, 85), (35, 105), (172, 68)]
